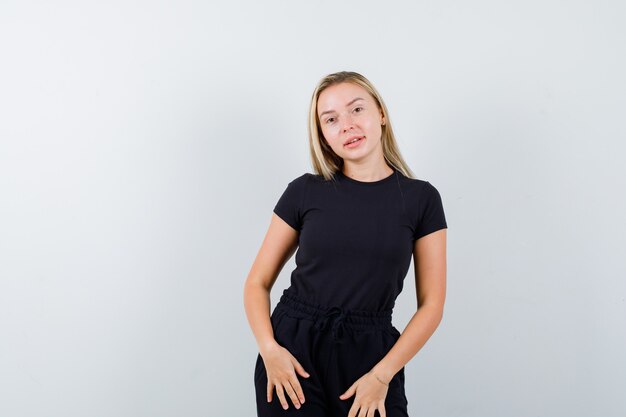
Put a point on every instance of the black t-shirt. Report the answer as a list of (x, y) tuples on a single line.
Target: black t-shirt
[(356, 238)]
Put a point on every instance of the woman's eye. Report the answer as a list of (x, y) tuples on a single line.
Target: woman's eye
[(330, 119), (358, 108)]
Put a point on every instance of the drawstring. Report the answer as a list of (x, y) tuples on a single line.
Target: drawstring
[(336, 313)]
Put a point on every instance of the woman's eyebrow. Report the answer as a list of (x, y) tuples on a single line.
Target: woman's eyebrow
[(330, 111)]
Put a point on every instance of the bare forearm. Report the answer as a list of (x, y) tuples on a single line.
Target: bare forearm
[(419, 329), (257, 306)]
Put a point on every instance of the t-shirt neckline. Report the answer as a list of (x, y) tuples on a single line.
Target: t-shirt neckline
[(368, 183)]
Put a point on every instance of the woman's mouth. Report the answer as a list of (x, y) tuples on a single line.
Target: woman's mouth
[(354, 142)]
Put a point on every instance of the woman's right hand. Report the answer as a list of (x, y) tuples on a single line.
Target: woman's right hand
[(281, 367)]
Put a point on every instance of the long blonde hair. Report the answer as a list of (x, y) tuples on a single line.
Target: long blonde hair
[(325, 161)]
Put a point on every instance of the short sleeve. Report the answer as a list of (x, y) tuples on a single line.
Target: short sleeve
[(431, 216), (289, 205)]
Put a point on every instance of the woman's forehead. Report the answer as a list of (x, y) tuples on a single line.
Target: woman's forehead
[(341, 95)]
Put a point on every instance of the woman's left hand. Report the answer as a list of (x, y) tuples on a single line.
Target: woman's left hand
[(370, 396)]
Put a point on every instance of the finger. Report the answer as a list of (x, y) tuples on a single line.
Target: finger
[(269, 391), (281, 396), (298, 388), (349, 392), (371, 411), (381, 409), (292, 394), (354, 409), (300, 369)]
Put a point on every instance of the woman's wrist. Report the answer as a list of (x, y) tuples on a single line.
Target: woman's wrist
[(267, 345), (380, 380), (382, 374)]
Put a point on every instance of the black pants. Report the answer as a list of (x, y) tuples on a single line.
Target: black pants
[(336, 347)]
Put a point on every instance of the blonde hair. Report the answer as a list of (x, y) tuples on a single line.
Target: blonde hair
[(325, 161)]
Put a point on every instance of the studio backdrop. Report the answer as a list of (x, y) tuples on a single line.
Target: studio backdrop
[(144, 144)]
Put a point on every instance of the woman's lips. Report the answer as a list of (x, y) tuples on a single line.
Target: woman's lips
[(355, 144)]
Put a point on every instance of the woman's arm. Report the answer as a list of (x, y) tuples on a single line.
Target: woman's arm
[(430, 283), (281, 366), (279, 244)]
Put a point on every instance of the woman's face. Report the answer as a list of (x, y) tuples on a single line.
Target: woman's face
[(347, 111)]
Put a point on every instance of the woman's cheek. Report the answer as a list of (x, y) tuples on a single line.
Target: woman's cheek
[(330, 134)]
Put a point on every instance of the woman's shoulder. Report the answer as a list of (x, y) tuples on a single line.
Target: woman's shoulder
[(419, 186), (415, 183), (301, 182), (300, 179), (309, 177)]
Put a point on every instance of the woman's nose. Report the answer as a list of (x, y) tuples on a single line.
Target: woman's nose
[(347, 122)]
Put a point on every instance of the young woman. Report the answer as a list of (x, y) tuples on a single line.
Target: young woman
[(329, 347)]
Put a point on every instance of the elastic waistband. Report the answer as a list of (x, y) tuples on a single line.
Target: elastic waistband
[(361, 319)]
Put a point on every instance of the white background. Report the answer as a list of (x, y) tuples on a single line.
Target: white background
[(143, 145)]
